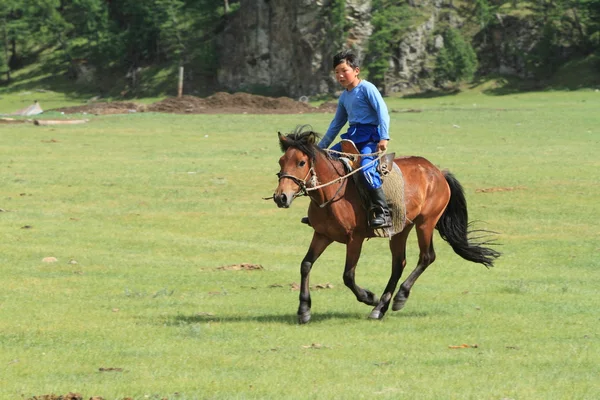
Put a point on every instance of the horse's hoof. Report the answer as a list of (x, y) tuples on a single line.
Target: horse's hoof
[(304, 317), (373, 301), (376, 314), (398, 304)]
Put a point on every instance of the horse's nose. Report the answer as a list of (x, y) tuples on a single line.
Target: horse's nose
[(281, 200)]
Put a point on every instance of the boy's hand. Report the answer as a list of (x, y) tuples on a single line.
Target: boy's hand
[(382, 145)]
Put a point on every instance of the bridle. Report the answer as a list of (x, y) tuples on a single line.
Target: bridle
[(304, 189), (303, 184), (314, 182)]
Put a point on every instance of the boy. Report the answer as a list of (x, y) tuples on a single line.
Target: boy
[(362, 106)]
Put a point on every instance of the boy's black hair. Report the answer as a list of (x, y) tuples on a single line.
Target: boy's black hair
[(348, 56)]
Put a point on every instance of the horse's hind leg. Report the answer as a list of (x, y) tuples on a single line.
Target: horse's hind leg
[(426, 257), (398, 248), (352, 255), (317, 246)]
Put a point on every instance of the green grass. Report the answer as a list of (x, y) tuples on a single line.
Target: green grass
[(141, 210)]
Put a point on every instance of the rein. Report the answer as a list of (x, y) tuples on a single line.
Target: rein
[(302, 183)]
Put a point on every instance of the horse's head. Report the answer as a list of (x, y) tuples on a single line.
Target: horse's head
[(296, 164)]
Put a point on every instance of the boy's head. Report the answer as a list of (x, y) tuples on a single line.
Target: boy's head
[(345, 56), (345, 67)]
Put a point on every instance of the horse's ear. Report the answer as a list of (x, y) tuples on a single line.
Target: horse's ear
[(282, 138), (312, 138), (282, 141)]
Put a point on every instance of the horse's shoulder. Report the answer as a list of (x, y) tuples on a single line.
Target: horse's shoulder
[(411, 160), (408, 164)]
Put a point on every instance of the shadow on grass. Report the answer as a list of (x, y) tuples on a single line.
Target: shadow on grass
[(286, 319), (432, 94)]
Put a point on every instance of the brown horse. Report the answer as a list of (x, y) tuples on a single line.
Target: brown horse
[(433, 199)]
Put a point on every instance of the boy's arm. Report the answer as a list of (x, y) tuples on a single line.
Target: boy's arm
[(381, 109), (341, 116)]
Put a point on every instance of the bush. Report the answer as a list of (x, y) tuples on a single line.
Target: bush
[(457, 61)]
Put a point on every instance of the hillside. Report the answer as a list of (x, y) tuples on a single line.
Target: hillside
[(284, 47)]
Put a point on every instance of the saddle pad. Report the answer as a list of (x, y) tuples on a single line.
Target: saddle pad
[(393, 187)]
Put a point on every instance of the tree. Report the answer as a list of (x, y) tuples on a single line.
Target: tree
[(13, 28), (391, 20), (48, 23), (457, 61)]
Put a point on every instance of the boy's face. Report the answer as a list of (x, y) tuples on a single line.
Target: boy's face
[(346, 75)]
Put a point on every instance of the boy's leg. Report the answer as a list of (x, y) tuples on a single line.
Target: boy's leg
[(379, 217)]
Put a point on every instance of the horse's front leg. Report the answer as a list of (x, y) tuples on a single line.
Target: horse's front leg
[(353, 249), (398, 248), (318, 244)]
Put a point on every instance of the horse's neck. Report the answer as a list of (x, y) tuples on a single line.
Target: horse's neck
[(328, 169), (329, 172), (339, 202)]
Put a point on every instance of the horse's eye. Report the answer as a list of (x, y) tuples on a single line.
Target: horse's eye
[(302, 163)]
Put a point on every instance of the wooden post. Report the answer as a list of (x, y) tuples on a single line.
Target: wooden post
[(180, 84)]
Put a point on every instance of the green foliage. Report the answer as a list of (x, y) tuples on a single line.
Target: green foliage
[(545, 58), (112, 36), (337, 32), (484, 12), (391, 20), (456, 61), (567, 26), (120, 35)]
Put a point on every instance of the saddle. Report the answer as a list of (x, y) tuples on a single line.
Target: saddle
[(393, 186), (353, 156)]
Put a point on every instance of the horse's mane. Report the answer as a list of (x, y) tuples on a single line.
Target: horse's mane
[(304, 139)]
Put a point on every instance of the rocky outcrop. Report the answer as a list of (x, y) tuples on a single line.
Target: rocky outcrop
[(282, 47), (413, 56), (503, 46)]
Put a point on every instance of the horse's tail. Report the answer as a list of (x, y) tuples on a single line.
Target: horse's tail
[(454, 225)]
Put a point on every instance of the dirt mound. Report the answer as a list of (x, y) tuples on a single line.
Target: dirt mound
[(181, 105), (328, 107), (225, 103), (218, 103), (116, 107)]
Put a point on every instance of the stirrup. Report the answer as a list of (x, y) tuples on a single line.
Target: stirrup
[(305, 220), (385, 216)]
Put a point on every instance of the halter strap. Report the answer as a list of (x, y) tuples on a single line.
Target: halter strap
[(314, 181), (300, 182)]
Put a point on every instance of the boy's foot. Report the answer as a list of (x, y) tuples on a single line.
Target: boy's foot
[(381, 219), (305, 220), (380, 213)]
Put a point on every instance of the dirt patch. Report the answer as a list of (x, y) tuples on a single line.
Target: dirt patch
[(295, 286), (68, 396), (328, 107), (75, 396), (116, 107), (499, 189), (218, 103), (110, 369), (12, 121), (225, 103), (241, 267)]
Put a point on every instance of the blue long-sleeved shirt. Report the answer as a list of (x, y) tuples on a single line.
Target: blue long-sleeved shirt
[(361, 105)]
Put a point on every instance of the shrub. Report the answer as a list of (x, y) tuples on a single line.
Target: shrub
[(457, 61)]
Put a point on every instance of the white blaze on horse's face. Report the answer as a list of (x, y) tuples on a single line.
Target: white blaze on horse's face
[(294, 171)]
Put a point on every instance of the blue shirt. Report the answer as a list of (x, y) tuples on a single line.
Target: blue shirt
[(363, 105)]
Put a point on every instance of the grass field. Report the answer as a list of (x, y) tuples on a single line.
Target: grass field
[(141, 210)]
